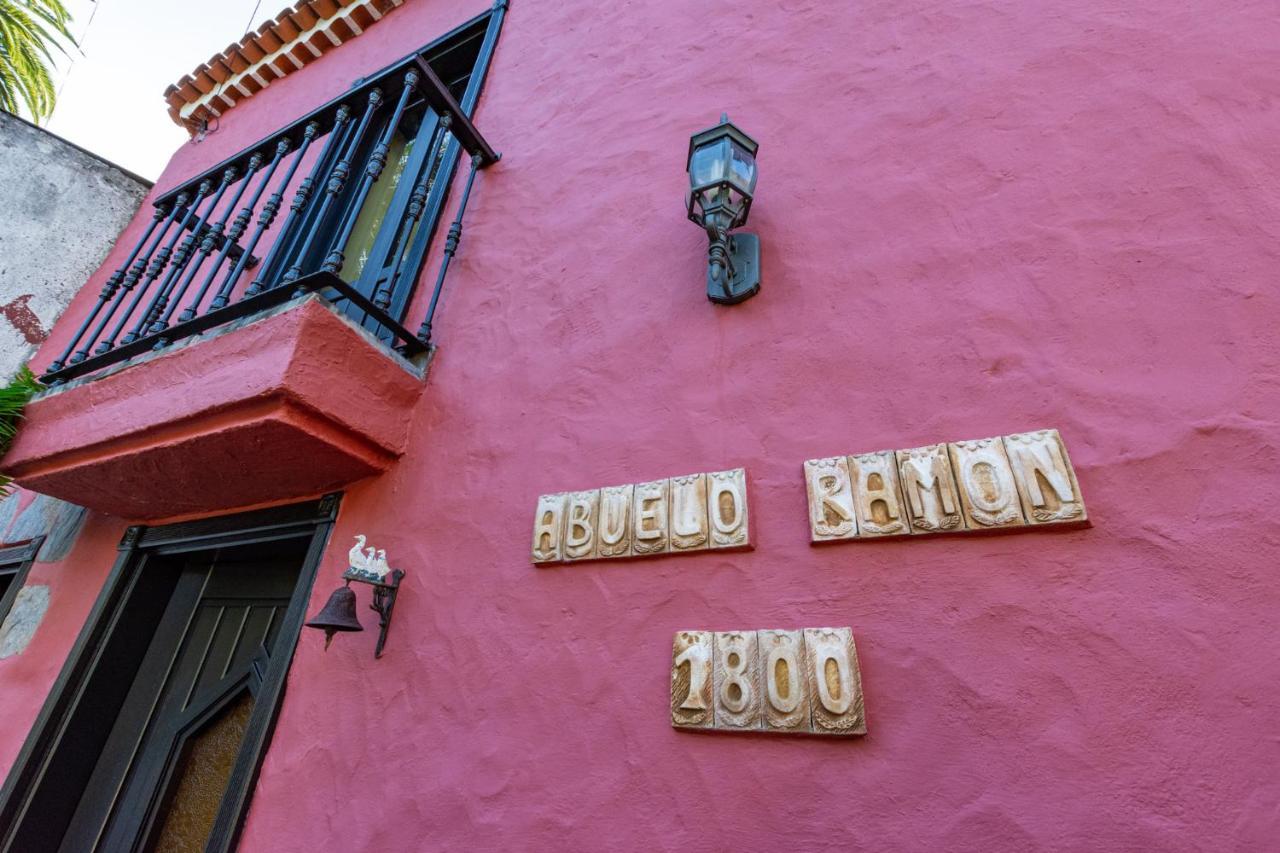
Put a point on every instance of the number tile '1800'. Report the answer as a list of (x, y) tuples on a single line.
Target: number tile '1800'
[(787, 682)]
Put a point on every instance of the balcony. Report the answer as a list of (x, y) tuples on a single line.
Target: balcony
[(248, 352)]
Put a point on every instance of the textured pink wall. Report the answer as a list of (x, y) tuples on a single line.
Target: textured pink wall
[(976, 219)]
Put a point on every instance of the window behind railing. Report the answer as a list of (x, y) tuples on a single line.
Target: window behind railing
[(343, 202)]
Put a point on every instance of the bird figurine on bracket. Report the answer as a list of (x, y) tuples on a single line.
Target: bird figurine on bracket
[(366, 564)]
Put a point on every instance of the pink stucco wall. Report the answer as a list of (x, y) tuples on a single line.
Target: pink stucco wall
[(977, 219)]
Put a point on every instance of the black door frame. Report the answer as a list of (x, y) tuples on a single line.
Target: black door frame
[(313, 520), (25, 556)]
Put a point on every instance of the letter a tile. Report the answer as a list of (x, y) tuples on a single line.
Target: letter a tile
[(877, 497), (548, 529)]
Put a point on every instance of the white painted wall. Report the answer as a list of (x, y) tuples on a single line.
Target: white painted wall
[(61, 208)]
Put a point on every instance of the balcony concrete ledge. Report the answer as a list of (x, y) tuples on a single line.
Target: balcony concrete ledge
[(287, 404)]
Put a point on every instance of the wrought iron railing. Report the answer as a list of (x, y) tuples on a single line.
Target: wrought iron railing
[(223, 246)]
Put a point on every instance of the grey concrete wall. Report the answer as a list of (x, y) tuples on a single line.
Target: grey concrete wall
[(61, 208)]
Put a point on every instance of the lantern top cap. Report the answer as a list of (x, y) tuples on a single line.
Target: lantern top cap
[(725, 128)]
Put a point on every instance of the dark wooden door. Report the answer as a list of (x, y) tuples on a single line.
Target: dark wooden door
[(170, 755)]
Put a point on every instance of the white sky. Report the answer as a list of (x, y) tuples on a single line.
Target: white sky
[(112, 95)]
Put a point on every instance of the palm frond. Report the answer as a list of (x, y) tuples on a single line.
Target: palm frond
[(29, 30), (13, 399)]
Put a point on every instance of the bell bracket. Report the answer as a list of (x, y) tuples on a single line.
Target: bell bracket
[(384, 599)]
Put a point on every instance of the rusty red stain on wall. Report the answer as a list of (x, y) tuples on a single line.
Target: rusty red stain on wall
[(24, 319)]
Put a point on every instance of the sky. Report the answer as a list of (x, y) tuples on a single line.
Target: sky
[(112, 88)]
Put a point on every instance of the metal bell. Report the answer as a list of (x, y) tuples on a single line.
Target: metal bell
[(339, 614)]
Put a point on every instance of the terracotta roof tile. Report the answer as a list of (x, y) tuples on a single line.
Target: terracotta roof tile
[(280, 46)]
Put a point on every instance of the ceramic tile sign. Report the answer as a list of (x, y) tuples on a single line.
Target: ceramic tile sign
[(695, 512), (1015, 481), (782, 682)]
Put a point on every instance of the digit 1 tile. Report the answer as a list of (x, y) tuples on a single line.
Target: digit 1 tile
[(835, 682), (548, 529), (727, 509), (786, 691), (691, 705), (736, 681), (581, 517), (1046, 481), (877, 495), (649, 518), (831, 513), (929, 490), (689, 523), (613, 537), (988, 496)]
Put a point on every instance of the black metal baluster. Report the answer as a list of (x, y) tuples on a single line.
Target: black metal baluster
[(450, 247), (238, 226), (108, 293), (135, 273), (300, 198), (337, 179), (372, 171), (183, 270), (158, 264), (417, 204)]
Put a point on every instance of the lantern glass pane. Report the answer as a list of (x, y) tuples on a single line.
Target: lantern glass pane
[(709, 163), (742, 169)]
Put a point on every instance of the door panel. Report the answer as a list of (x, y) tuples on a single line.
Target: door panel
[(172, 750), (201, 775)]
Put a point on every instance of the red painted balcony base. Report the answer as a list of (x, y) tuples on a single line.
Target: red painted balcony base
[(288, 405)]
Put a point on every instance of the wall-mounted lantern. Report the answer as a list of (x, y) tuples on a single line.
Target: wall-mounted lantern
[(339, 613), (722, 180)]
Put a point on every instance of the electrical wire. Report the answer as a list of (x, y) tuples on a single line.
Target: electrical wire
[(205, 129), (78, 44)]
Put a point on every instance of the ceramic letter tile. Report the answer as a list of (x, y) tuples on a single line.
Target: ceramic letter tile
[(736, 680), (688, 525), (830, 499), (835, 684), (727, 509), (928, 489), (786, 693), (614, 535), (1046, 481), (649, 518), (548, 529), (988, 496), (877, 497), (581, 516), (691, 706)]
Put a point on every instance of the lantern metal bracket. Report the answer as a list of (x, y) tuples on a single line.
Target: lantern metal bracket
[(733, 270), (384, 599)]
